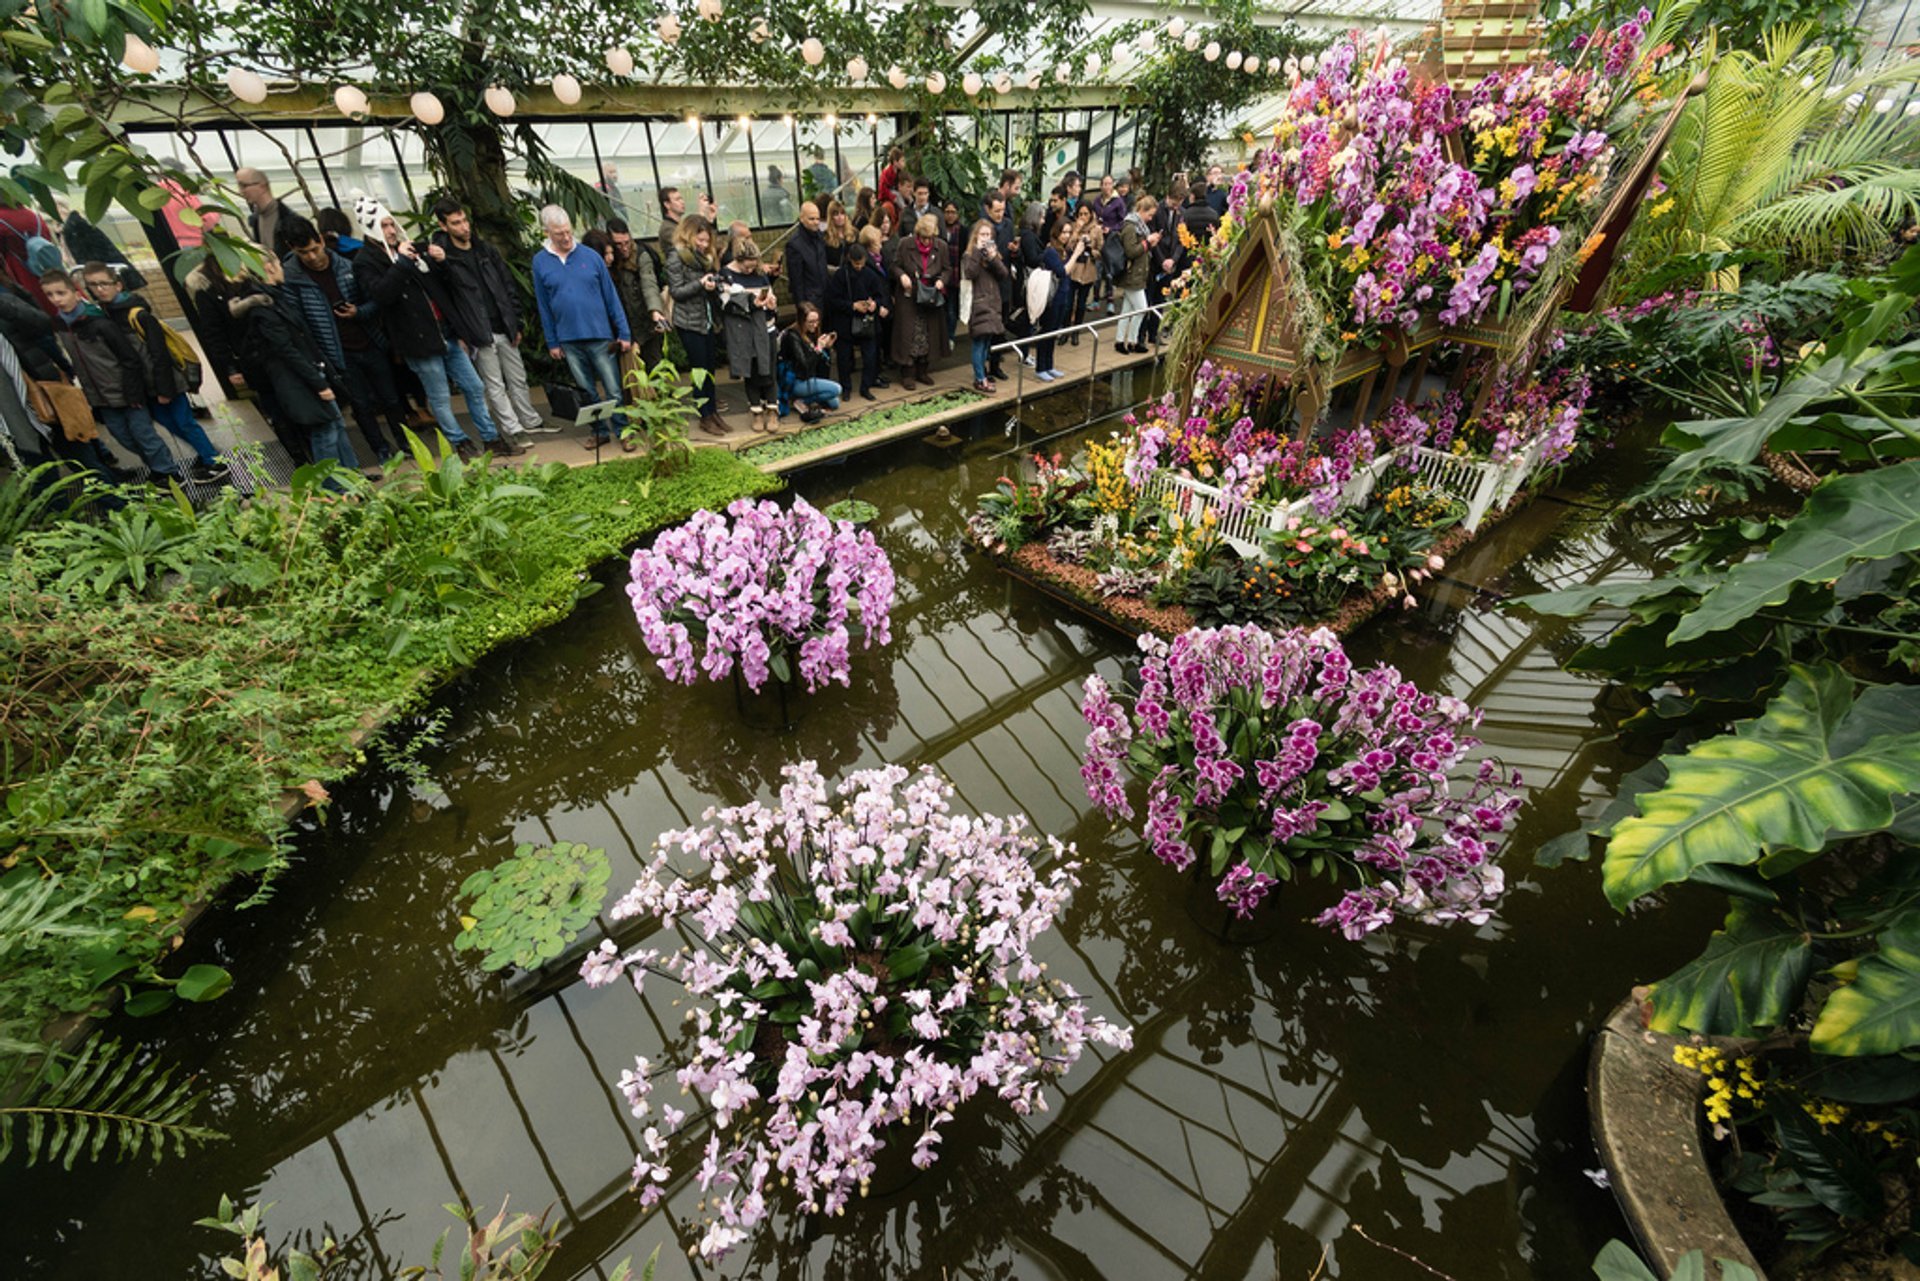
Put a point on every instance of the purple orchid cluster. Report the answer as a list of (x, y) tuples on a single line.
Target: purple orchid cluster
[(757, 585), (864, 961), (1273, 756), (1409, 232), (1520, 413)]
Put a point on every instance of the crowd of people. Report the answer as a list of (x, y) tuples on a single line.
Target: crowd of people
[(354, 314)]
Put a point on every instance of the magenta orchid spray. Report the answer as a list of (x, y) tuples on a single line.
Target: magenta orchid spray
[(768, 589), (1270, 757), (862, 965)]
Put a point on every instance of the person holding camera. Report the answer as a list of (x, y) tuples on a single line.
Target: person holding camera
[(1088, 238), (857, 302), (919, 269), (805, 352), (992, 281), (693, 280)]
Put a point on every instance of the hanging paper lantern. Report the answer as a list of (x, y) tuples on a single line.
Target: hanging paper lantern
[(619, 61), (937, 84), (857, 70), (246, 85), (1234, 60), (1177, 27), (1307, 64), (139, 56), (350, 100), (1212, 52), (1063, 73), (760, 31), (1148, 39), (812, 51), (426, 108), (710, 10), (499, 100), (1251, 66), (1122, 58), (1003, 83), (1884, 106), (1034, 79), (1190, 41), (971, 84), (566, 89), (896, 77), (1093, 65), (669, 29)]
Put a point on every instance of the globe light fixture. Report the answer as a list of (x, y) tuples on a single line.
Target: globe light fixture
[(1003, 83), (1063, 73), (1212, 51), (566, 89), (1093, 65), (619, 61), (857, 70), (812, 52), (1177, 27), (710, 10), (937, 83), (499, 100), (971, 84), (1234, 60), (896, 77), (760, 32), (669, 29), (139, 56), (1190, 41), (246, 85), (350, 101), (426, 108)]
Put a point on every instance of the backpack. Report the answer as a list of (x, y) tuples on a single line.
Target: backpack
[(185, 358), (1113, 257)]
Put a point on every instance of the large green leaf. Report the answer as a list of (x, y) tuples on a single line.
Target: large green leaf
[(1830, 1163), (1775, 783), (1572, 602), (1864, 516), (1750, 977), (1879, 1012)]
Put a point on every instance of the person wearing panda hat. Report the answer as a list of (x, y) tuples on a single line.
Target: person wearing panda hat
[(423, 325)]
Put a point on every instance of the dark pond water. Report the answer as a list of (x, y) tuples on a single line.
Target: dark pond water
[(1421, 1094)]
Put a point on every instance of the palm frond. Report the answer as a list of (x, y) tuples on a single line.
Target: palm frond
[(101, 1096)]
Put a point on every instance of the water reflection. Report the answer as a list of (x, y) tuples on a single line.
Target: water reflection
[(1425, 1087)]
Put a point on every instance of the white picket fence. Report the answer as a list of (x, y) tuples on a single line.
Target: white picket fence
[(1482, 486)]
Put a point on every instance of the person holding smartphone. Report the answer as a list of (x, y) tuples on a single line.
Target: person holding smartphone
[(327, 293)]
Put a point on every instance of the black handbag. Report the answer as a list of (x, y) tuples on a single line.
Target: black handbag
[(864, 325), (925, 295)]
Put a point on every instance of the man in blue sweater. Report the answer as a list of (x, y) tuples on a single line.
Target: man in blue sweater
[(581, 314)]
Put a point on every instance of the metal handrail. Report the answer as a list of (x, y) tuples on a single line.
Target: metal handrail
[(1090, 327)]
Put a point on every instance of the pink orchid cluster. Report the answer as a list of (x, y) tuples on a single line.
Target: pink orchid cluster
[(1271, 757), (1520, 413), (756, 586), (864, 962)]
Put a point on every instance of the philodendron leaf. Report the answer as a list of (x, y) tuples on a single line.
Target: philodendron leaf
[(1750, 977), (1864, 516), (1776, 783), (1879, 1012), (1830, 1162)]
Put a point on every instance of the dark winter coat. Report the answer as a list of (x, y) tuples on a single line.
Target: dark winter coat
[(316, 312), (806, 266), (845, 287), (908, 318), (272, 338), (406, 298), (110, 368), (637, 282), (477, 280), (1133, 238), (30, 330), (150, 340), (800, 360), (695, 309), (991, 281)]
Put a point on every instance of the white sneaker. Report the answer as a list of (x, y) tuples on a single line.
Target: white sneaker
[(541, 428), (1027, 360)]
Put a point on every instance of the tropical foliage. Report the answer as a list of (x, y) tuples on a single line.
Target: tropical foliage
[(1785, 153), (174, 704)]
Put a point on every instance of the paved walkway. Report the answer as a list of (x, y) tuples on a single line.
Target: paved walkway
[(233, 422)]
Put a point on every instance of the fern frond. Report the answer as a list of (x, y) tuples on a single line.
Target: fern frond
[(98, 1097)]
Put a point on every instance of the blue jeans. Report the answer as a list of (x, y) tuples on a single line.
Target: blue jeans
[(434, 375), (589, 360), (177, 417), (133, 428), (331, 441), (980, 346), (823, 391)]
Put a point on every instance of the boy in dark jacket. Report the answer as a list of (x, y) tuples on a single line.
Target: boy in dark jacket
[(167, 388), (110, 371)]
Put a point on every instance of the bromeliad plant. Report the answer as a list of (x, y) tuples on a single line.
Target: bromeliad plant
[(1269, 756), (770, 590), (859, 970)]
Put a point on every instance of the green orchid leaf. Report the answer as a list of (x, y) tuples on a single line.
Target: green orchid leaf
[(1751, 977), (1775, 783), (1879, 1012), (1864, 516)]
